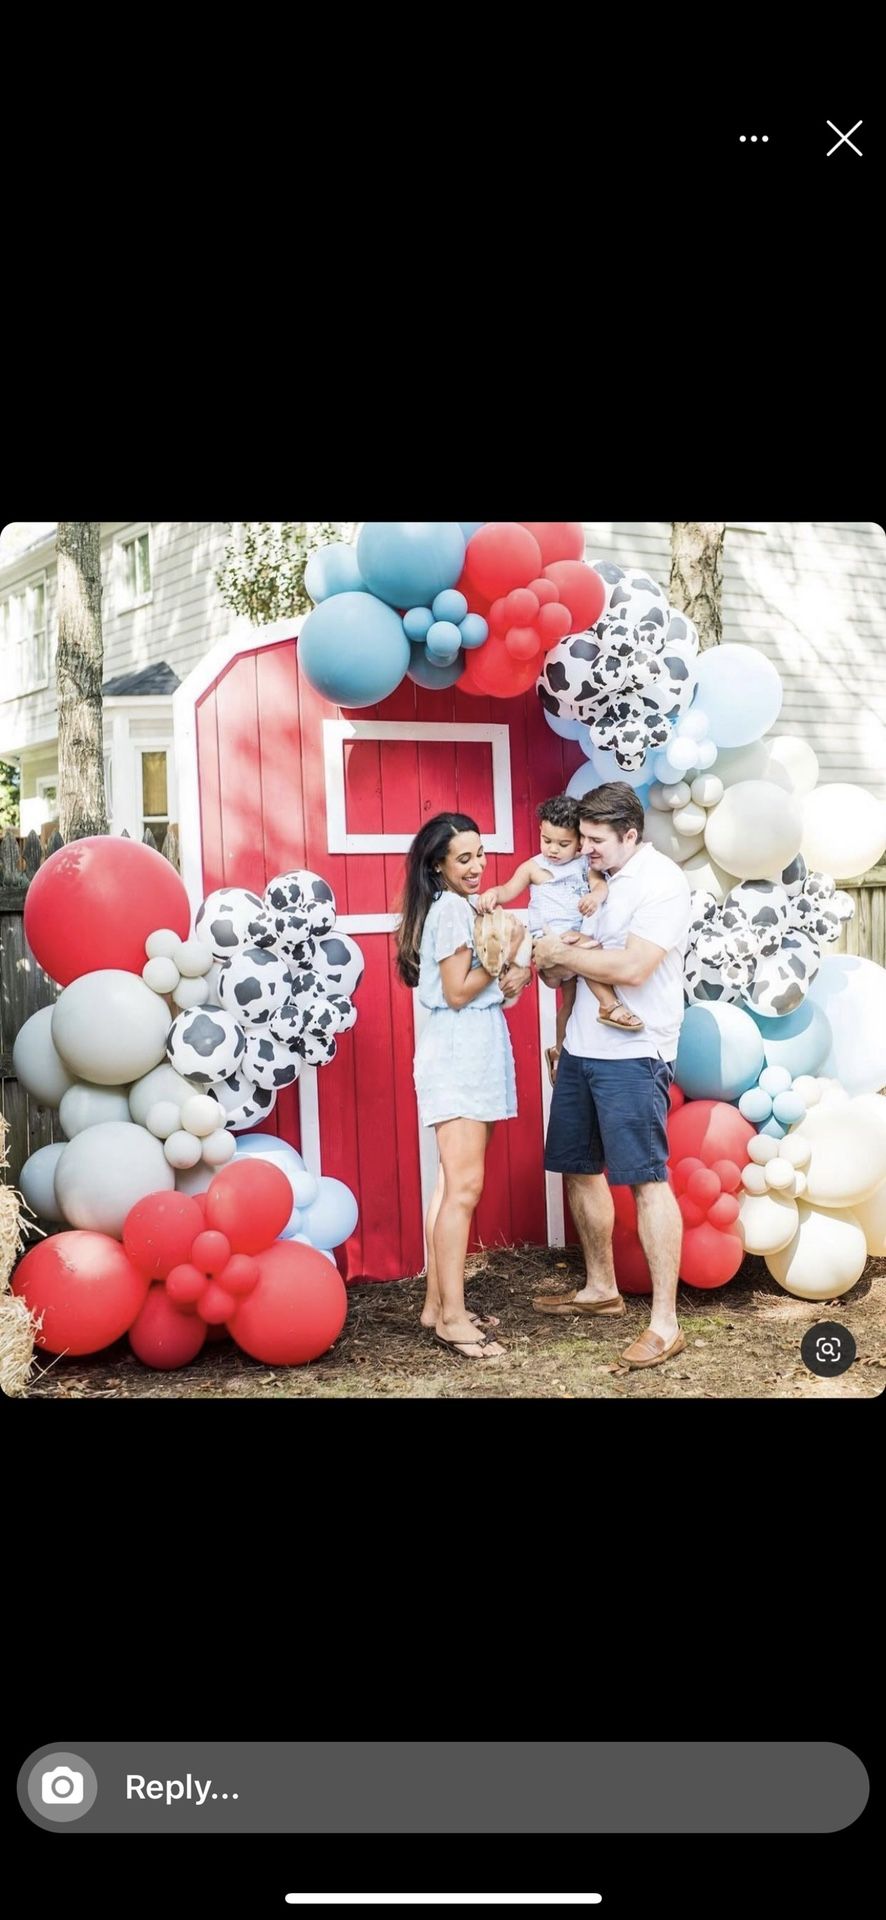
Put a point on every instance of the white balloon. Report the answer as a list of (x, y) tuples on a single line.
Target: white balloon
[(37, 1182), (162, 945), (193, 959), (202, 1115), (844, 830), (660, 830), (183, 1149), (753, 762), (104, 1171), (762, 1148), (676, 796), (848, 1158), (755, 830), (219, 1148), (109, 1027), (163, 1119), (795, 1149), (753, 1179), (767, 1221), (707, 790), (689, 820), (780, 1175), (162, 1083), (160, 974), (36, 1061), (851, 991), (795, 756), (826, 1256), (191, 992), (84, 1106)]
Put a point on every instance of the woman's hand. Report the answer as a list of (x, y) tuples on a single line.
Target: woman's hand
[(488, 901), (588, 903), (513, 980)]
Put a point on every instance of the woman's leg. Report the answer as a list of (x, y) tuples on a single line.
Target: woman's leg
[(431, 1309), (462, 1146)]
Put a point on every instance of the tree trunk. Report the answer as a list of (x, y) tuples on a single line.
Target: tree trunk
[(696, 586), (81, 775)]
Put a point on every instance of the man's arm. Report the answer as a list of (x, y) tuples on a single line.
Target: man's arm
[(626, 966)]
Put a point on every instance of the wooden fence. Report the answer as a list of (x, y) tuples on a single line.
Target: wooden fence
[(24, 988)]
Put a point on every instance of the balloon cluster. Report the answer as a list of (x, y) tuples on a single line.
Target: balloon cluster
[(630, 676), (762, 943), (470, 602), (188, 1264)]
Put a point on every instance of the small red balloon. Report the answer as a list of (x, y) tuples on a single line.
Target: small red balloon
[(85, 1286), (93, 903), (692, 1213), (522, 643), (522, 607), (683, 1170), (495, 672), (240, 1275), (211, 1251), (724, 1211), (499, 615), (545, 591), (162, 1337), (728, 1174), (553, 623), (297, 1309), (158, 1231), (710, 1257), (703, 1186), (215, 1306), (184, 1285), (250, 1202)]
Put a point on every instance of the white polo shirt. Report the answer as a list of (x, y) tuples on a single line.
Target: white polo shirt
[(649, 896)]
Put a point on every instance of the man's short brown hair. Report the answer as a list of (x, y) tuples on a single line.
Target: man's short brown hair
[(615, 805)]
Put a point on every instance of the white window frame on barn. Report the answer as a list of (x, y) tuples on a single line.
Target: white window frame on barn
[(24, 644), (127, 595), (243, 637)]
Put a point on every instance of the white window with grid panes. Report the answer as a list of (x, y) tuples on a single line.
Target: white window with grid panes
[(24, 658), (133, 570), (154, 786)]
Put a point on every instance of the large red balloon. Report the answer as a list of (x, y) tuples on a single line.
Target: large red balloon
[(558, 539), (158, 1232), (710, 1257), (93, 904), (163, 1338), (711, 1130), (580, 589), (86, 1288), (250, 1202), (297, 1309), (500, 556), (631, 1265)]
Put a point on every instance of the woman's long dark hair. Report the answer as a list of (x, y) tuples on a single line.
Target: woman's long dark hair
[(422, 885)]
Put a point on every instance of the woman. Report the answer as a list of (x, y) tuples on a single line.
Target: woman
[(464, 1067)]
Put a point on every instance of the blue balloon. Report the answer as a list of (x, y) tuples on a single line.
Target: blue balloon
[(720, 1053), (474, 630), (608, 769), (426, 674), (470, 527), (756, 1106), (443, 642), (740, 691), (417, 623), (408, 562), (353, 650), (789, 1108), (565, 729), (799, 1041), (450, 605), (583, 781), (332, 570), (774, 1129), (333, 1216)]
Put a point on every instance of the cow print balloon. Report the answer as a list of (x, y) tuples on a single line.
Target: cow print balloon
[(205, 1046), (268, 1063), (763, 907), (254, 984), (223, 919), (340, 963), (780, 982), (245, 1104), (306, 898)]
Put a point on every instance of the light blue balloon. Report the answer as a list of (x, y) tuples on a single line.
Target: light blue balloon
[(720, 1053), (740, 691), (426, 674), (474, 630), (755, 1105), (565, 729), (332, 570), (799, 1041), (303, 1241), (470, 527), (333, 1216), (789, 1108), (443, 642), (608, 769), (775, 1079), (774, 1129), (450, 605), (584, 779), (417, 623), (353, 650), (408, 562), (268, 1146)]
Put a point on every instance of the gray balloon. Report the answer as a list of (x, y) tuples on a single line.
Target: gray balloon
[(36, 1062), (37, 1182), (109, 1027), (87, 1106), (162, 1083), (104, 1171)]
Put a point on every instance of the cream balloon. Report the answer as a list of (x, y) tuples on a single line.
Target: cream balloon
[(779, 1175), (844, 830), (851, 992), (37, 1182), (795, 757), (870, 1214), (193, 959), (660, 830), (109, 1027), (202, 1115), (826, 1256), (182, 1149), (219, 1148), (756, 829), (36, 1061), (753, 762), (689, 820), (753, 1179), (704, 875), (767, 1222), (707, 790), (848, 1158), (160, 974), (162, 1083)]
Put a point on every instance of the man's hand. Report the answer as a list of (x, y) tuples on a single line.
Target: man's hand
[(513, 980), (548, 950), (488, 901)]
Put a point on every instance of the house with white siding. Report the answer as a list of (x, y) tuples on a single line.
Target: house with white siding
[(810, 594)]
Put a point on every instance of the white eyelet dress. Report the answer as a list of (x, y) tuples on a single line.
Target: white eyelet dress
[(464, 1066)]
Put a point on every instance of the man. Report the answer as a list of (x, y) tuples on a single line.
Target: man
[(610, 1101)]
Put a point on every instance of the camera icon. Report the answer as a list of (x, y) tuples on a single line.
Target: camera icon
[(63, 1786), (827, 1349)]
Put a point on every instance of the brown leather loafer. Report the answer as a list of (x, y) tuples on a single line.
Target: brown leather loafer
[(567, 1303), (650, 1350)]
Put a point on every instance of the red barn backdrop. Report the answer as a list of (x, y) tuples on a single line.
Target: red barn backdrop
[(273, 777)]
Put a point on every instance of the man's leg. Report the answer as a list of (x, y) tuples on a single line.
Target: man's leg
[(594, 1216), (660, 1227)]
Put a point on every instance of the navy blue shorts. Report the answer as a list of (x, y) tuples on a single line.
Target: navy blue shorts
[(610, 1114)]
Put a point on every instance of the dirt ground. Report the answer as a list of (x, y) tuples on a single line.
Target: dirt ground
[(743, 1342)]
